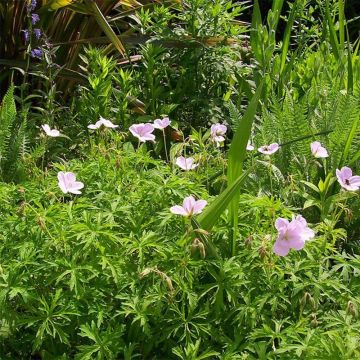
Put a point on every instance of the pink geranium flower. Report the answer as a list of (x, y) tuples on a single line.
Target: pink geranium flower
[(189, 207), (68, 183), (249, 147), (161, 123), (186, 163), (269, 149), (291, 235), (347, 180), (217, 132), (317, 150), (143, 132), (50, 132)]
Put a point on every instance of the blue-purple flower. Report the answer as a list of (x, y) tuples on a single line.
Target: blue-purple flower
[(37, 53), (35, 18), (31, 5), (26, 35), (37, 33)]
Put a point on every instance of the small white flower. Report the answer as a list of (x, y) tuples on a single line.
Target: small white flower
[(50, 132)]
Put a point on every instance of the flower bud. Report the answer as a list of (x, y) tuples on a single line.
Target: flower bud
[(313, 322), (248, 241), (351, 309)]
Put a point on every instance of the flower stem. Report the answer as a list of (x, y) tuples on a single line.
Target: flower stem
[(165, 147)]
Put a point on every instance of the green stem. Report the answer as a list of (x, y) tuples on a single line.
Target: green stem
[(165, 146)]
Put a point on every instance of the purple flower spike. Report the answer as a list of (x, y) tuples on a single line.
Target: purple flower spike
[(189, 207), (35, 18), (31, 6), (347, 180), (37, 53), (26, 35), (291, 235), (37, 33)]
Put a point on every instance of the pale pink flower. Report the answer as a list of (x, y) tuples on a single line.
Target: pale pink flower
[(50, 132), (102, 122), (161, 123), (269, 149), (291, 235), (317, 150), (143, 131), (217, 132), (68, 183), (189, 207), (186, 163), (347, 180), (249, 147)]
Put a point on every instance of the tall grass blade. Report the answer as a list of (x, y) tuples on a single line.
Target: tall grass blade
[(255, 40), (212, 213), (342, 24), (237, 154), (276, 9), (333, 37), (105, 26), (287, 35), (350, 79)]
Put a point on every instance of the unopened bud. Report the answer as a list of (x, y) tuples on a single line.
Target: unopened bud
[(248, 241), (313, 322), (263, 251), (348, 215), (351, 309), (145, 272), (21, 207), (41, 222), (198, 245)]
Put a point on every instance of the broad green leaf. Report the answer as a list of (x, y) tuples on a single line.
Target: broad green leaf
[(287, 34), (256, 23), (105, 26), (333, 37), (212, 213)]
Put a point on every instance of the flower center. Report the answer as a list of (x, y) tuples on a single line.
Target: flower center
[(347, 181)]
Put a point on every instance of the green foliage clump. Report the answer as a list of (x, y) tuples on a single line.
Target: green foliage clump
[(112, 274)]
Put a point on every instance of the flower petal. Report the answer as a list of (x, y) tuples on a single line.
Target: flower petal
[(178, 210), (199, 206), (280, 248)]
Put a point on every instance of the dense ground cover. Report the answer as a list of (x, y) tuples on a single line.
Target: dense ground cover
[(195, 199)]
